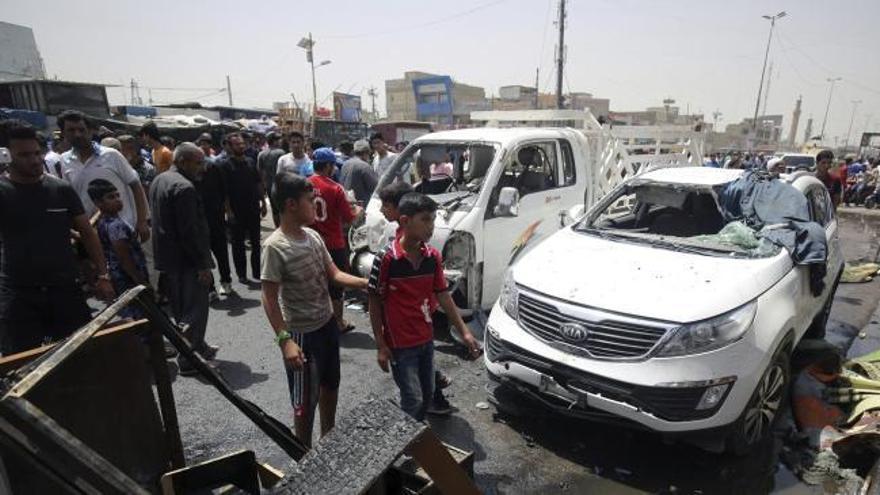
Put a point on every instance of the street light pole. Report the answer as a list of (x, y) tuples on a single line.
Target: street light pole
[(832, 80), (772, 19), (851, 120), (314, 85)]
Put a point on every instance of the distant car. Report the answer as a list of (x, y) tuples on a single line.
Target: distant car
[(798, 161), (626, 314)]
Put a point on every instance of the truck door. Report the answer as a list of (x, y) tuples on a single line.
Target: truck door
[(543, 172)]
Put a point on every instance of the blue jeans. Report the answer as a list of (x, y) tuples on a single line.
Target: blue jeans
[(413, 371)]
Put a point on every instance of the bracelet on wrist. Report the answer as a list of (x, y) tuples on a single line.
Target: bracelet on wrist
[(282, 336)]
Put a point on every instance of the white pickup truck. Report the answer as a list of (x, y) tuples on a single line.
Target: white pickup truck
[(501, 190)]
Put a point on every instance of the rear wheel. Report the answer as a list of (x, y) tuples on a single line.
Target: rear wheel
[(760, 415)]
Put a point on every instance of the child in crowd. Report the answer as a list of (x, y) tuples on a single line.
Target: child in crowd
[(297, 268), (390, 196), (126, 263), (406, 285)]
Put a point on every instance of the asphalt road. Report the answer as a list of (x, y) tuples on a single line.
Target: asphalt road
[(537, 452)]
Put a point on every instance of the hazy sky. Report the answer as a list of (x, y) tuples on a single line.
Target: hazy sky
[(706, 54)]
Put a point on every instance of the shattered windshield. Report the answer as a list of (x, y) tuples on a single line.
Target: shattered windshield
[(450, 171), (674, 216)]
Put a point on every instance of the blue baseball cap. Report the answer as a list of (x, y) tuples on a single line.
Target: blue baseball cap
[(323, 155)]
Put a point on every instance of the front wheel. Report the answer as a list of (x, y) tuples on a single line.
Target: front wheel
[(760, 415)]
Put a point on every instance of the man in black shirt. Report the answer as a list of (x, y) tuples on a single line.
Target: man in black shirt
[(40, 299), (267, 163), (181, 246), (212, 189), (247, 204)]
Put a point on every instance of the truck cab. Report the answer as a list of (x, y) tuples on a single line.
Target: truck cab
[(500, 191)]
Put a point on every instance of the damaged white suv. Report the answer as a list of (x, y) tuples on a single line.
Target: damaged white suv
[(659, 310)]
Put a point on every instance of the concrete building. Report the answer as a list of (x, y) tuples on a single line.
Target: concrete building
[(432, 98), (524, 98), (19, 58)]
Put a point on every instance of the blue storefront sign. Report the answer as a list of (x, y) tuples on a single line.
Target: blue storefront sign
[(434, 99)]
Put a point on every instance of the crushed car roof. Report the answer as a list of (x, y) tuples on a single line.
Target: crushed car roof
[(700, 176)]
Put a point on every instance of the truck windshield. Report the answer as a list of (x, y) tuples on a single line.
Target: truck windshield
[(443, 167), (673, 216)]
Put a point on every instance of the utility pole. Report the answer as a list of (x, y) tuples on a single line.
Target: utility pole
[(772, 19), (537, 82), (851, 120), (832, 80), (767, 89), (133, 86), (560, 55), (229, 90)]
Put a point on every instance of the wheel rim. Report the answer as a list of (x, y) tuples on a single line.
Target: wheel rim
[(764, 407)]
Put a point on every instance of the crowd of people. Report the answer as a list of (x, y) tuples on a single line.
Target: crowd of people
[(849, 181), (76, 210)]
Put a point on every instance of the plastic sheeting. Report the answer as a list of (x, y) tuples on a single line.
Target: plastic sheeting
[(782, 215)]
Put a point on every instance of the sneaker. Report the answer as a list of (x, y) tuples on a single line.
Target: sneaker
[(440, 406), (225, 289), (244, 280), (212, 296)]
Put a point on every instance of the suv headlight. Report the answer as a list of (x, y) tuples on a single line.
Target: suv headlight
[(708, 335), (458, 251), (509, 299)]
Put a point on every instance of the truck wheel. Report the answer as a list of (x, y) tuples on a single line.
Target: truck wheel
[(762, 411)]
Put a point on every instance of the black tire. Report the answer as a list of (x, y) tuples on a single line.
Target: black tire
[(756, 423), (816, 330)]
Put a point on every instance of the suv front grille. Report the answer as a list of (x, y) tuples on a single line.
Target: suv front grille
[(605, 339), (670, 403)]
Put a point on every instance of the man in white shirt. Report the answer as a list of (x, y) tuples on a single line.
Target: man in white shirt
[(87, 161), (383, 158), (296, 161)]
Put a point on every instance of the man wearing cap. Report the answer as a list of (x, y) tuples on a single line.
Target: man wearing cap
[(332, 211), (267, 163), (357, 174)]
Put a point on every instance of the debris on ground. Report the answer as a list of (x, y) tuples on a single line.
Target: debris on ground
[(859, 272), (482, 405)]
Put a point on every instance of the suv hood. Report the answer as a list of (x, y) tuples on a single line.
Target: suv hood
[(642, 280)]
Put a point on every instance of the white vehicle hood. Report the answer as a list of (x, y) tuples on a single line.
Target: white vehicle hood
[(641, 280)]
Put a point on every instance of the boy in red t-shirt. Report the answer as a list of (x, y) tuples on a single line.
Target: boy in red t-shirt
[(406, 283), (332, 211)]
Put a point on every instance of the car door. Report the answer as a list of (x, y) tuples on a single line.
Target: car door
[(544, 174), (822, 212)]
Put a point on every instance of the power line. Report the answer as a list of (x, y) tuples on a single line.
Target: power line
[(417, 26)]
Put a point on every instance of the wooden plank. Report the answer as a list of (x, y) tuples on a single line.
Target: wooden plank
[(74, 461), (31, 374), (238, 469), (165, 393), (274, 429), (103, 395), (433, 457), (356, 453), (13, 362)]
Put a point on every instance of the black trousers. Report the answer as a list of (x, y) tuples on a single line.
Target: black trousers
[(220, 249), (31, 316), (246, 227)]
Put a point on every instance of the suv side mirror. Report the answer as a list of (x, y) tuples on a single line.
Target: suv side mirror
[(508, 203)]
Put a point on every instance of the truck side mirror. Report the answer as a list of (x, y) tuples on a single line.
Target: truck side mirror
[(508, 203)]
